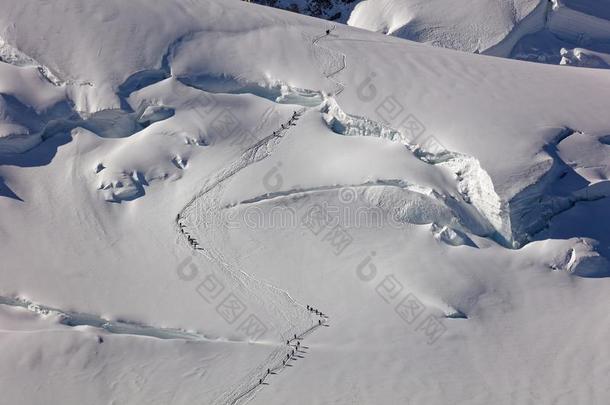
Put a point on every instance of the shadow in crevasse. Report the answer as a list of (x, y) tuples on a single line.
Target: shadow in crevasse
[(40, 155), (57, 132), (5, 191), (590, 219), (48, 131)]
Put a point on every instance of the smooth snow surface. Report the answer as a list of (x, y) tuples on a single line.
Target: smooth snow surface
[(210, 201)]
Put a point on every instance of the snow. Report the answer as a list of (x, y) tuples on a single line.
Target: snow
[(556, 31), (481, 26), (180, 180)]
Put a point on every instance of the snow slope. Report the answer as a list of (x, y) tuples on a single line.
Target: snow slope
[(482, 26), (557, 32), (181, 180)]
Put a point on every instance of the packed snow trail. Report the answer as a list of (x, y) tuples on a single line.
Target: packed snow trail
[(203, 212), (205, 208), (280, 366), (330, 66), (202, 207)]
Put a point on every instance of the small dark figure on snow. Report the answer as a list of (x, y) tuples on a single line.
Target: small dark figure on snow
[(260, 381), (268, 371), (319, 322), (295, 335), (327, 32)]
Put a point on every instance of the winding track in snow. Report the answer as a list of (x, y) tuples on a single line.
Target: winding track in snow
[(210, 194), (204, 205), (206, 202), (331, 74)]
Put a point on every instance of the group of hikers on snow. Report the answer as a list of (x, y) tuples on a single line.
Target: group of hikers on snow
[(192, 241)]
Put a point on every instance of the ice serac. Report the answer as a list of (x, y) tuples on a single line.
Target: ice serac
[(473, 182), (572, 168), (577, 26)]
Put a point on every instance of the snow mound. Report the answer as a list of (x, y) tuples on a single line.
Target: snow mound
[(480, 26)]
